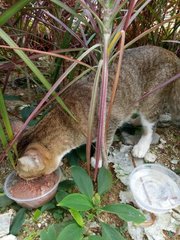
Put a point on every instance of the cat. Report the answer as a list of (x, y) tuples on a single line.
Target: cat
[(41, 148)]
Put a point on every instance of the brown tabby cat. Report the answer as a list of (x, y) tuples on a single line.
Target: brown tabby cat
[(42, 147)]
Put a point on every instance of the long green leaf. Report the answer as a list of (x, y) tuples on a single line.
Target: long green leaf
[(18, 221), (104, 181), (77, 202), (83, 181), (4, 139), (71, 232), (109, 233), (5, 201), (4, 114), (13, 10), (125, 212)]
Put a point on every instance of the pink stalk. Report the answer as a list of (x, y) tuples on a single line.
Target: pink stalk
[(116, 81), (102, 108), (129, 13)]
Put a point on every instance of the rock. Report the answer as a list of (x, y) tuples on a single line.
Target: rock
[(126, 197), (161, 146), (5, 221), (9, 237), (175, 161), (150, 157), (155, 138), (164, 120), (162, 141), (123, 165)]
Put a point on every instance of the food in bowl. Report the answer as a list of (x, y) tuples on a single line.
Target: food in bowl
[(32, 193)]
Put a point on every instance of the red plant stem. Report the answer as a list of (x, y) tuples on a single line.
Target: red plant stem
[(6, 81), (158, 87), (116, 81), (102, 108), (129, 13)]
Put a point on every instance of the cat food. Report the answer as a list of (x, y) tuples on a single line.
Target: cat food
[(32, 193), (33, 188)]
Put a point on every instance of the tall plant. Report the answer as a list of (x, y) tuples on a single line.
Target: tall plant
[(97, 29)]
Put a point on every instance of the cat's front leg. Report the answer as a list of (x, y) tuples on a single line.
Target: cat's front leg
[(141, 148)]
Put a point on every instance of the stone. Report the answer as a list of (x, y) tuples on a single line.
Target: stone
[(162, 141), (150, 157), (164, 120), (155, 138), (175, 161), (9, 237), (5, 221), (161, 146)]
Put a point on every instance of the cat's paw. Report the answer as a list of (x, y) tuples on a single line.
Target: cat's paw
[(140, 150), (93, 162)]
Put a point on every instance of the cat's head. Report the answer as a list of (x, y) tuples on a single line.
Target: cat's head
[(33, 163)]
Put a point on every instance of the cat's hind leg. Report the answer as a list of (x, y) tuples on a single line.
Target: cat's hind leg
[(141, 148)]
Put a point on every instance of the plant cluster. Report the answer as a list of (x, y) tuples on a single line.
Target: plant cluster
[(86, 208)]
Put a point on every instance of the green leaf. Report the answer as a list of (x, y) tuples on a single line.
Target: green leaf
[(76, 201), (18, 221), (49, 234), (58, 214), (71, 232), (73, 158), (48, 206), (77, 217), (37, 214), (5, 117), (109, 233), (83, 181), (125, 212), (104, 181), (5, 201), (66, 185), (60, 195), (8, 97), (81, 151), (12, 10)]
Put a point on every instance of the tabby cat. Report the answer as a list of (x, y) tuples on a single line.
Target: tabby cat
[(42, 147)]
